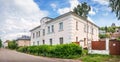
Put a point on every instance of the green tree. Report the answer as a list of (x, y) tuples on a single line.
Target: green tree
[(82, 10), (115, 5), (111, 29), (12, 44), (118, 38), (106, 29), (0, 43)]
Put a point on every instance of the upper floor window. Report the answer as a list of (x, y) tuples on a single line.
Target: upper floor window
[(33, 35), (43, 32), (76, 25), (85, 28), (61, 26), (52, 28), (39, 33), (61, 40), (36, 34), (92, 30), (48, 29)]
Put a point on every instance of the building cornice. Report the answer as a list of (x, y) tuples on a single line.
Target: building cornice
[(35, 28)]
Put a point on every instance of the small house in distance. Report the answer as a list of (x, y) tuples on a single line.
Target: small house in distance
[(6, 43), (23, 41)]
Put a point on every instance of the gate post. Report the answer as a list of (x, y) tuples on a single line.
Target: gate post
[(107, 45)]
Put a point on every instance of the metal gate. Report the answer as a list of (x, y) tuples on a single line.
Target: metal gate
[(114, 47)]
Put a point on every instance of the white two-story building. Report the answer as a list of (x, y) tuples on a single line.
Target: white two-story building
[(66, 28)]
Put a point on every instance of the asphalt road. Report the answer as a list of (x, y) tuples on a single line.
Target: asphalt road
[(13, 56)]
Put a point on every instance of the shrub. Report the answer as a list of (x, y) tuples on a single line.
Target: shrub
[(60, 51), (12, 45), (67, 50), (0, 43), (23, 49)]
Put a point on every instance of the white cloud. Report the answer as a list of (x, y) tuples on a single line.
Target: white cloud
[(73, 3), (53, 5), (102, 2), (17, 16), (63, 10), (92, 12)]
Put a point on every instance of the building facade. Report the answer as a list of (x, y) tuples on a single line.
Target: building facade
[(64, 29), (23, 41)]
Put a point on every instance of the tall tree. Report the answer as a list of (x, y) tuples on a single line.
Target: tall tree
[(82, 9), (115, 5), (0, 43)]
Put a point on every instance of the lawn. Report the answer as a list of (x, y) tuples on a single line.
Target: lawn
[(100, 58)]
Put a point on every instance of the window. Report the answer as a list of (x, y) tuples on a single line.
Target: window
[(61, 40), (61, 26), (50, 41), (52, 28), (37, 42), (88, 29), (84, 41), (36, 34), (76, 39), (48, 29), (85, 28), (33, 35), (92, 30), (43, 32), (76, 25), (33, 43), (39, 33), (43, 42)]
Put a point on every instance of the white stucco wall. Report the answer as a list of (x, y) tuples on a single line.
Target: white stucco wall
[(69, 32)]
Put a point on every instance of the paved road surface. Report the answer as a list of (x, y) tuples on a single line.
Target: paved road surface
[(13, 56)]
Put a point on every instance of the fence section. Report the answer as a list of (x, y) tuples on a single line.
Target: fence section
[(98, 45), (114, 47)]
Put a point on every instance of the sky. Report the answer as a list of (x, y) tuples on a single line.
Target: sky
[(18, 17)]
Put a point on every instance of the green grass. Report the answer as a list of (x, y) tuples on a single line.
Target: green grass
[(99, 58)]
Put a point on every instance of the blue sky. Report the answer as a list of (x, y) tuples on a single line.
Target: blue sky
[(17, 17), (102, 14)]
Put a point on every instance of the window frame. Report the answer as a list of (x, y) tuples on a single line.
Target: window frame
[(60, 26)]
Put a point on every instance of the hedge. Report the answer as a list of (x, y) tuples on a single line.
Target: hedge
[(60, 51)]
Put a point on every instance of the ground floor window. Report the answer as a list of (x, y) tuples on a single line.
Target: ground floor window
[(76, 39), (43, 42), (84, 41), (33, 43), (50, 41), (61, 40), (37, 42)]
